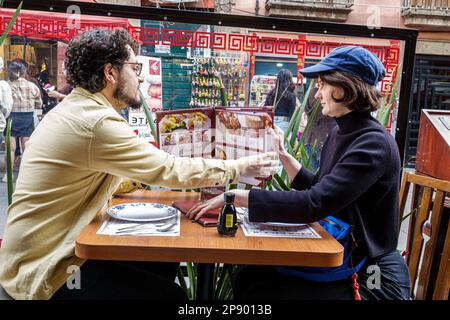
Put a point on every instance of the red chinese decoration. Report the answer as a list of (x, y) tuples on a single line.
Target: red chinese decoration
[(203, 40), (236, 42), (219, 41)]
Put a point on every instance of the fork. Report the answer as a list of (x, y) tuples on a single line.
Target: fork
[(144, 228), (146, 231), (138, 226), (167, 228)]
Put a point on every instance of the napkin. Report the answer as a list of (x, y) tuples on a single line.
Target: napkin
[(209, 219)]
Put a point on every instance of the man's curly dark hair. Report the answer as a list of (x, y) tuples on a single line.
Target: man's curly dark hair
[(88, 53)]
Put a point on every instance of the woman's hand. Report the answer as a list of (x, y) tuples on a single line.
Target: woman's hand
[(290, 164), (278, 140), (204, 206), (240, 200)]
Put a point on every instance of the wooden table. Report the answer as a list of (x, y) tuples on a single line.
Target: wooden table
[(203, 244)]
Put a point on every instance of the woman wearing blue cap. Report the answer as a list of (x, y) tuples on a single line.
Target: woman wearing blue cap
[(358, 183)]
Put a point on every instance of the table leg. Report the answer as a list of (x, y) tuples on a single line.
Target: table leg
[(205, 281)]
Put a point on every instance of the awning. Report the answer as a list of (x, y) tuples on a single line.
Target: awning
[(58, 26)]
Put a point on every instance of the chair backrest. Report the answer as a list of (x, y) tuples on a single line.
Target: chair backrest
[(431, 200)]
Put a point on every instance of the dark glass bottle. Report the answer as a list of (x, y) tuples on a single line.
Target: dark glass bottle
[(227, 223)]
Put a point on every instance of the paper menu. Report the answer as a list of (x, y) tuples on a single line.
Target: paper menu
[(186, 133), (241, 133), (221, 133)]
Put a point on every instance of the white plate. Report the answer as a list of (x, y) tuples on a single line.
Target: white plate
[(142, 211)]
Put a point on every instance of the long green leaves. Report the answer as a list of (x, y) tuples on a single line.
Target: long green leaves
[(192, 275), (191, 290), (291, 133), (224, 277), (293, 144), (386, 107), (11, 23), (9, 165), (181, 280), (148, 114)]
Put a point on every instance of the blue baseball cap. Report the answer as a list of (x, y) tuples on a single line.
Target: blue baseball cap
[(353, 60)]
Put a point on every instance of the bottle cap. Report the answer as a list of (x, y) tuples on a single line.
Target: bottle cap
[(229, 197)]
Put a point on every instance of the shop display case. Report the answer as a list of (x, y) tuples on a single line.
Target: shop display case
[(260, 88), (206, 85)]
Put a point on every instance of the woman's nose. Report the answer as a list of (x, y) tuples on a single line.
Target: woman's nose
[(317, 95)]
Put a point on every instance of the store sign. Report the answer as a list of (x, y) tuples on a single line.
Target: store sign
[(162, 48), (151, 88), (138, 122)]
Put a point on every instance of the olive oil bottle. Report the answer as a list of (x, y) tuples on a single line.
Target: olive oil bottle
[(227, 223)]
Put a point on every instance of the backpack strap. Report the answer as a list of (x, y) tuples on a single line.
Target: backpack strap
[(339, 273), (355, 286)]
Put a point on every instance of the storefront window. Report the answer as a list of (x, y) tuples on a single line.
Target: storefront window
[(183, 62)]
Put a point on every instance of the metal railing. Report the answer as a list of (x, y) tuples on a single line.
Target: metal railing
[(322, 3), (430, 5)]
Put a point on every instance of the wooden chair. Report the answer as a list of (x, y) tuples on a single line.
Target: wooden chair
[(443, 278), (431, 283)]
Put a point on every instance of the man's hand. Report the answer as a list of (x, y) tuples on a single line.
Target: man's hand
[(260, 166), (56, 94)]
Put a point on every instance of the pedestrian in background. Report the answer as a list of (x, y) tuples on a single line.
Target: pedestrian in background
[(26, 97)]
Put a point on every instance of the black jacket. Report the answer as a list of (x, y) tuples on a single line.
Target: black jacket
[(285, 105), (358, 182)]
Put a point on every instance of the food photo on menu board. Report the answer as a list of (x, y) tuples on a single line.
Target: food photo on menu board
[(221, 133)]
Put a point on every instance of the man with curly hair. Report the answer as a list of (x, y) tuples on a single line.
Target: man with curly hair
[(74, 161)]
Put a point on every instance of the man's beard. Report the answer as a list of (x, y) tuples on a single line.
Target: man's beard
[(120, 94)]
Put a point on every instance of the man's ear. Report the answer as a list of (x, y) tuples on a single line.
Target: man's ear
[(110, 73)]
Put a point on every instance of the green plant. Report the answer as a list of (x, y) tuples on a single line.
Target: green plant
[(191, 290), (223, 274), (386, 106), (149, 117), (9, 165), (11, 23), (295, 145)]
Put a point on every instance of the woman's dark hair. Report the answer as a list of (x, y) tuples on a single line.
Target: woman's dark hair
[(358, 96), (283, 89), (16, 70), (88, 53)]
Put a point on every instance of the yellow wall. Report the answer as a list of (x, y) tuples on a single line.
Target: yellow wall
[(17, 51), (4, 55)]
